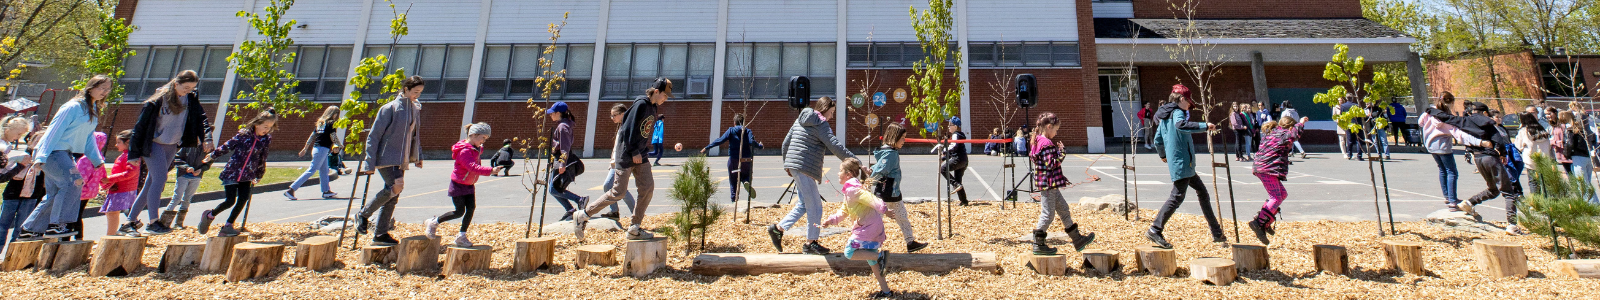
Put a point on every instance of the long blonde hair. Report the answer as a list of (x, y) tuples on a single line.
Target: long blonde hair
[(328, 115), (863, 202)]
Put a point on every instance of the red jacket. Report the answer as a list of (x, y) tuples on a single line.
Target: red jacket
[(468, 167), (124, 177)]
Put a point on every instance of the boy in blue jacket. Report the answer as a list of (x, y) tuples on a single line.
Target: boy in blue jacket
[(1177, 150)]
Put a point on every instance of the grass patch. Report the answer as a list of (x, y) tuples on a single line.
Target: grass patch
[(210, 183)]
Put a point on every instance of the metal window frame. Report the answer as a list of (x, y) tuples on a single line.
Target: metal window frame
[(782, 71)]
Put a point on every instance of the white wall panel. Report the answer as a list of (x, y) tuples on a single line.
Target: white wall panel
[(514, 21), (431, 22), (783, 21), (885, 20), (662, 21), (1023, 20), (326, 21), (186, 22)]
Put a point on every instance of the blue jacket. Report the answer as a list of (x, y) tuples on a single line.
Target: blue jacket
[(655, 137), (1172, 136), (72, 130), (741, 143), (888, 165)]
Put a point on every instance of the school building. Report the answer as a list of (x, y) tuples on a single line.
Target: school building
[(730, 57)]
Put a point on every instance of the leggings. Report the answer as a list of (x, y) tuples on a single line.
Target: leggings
[(1275, 196), (238, 196), (952, 171), (1054, 205), (897, 211), (465, 204)]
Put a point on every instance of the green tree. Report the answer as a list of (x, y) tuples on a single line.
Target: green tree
[(107, 51), (357, 109), (1558, 201), (262, 62), (692, 188), (931, 102), (53, 32), (1347, 72)]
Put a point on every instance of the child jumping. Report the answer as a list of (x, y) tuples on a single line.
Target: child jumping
[(1046, 157), (867, 236), (463, 193), (887, 173), (245, 168), (121, 185), (1272, 167)]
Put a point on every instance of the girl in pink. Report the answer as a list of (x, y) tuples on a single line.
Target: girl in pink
[(467, 154), (121, 183), (92, 177), (1272, 167), (867, 210)]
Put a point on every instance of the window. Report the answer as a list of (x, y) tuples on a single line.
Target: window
[(509, 71), (1561, 79), (444, 68), (631, 68), (762, 70), (151, 67), (1026, 54), (321, 71), (892, 55)]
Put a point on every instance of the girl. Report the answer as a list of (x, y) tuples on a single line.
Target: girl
[(1239, 121), (170, 119), (954, 158), (1579, 144), (887, 173), (190, 167), (1272, 167), (1558, 138), (1046, 158), (17, 173), (741, 153), (462, 192), (320, 143), (618, 111), (867, 234), (1531, 139), (70, 131), (1289, 112), (244, 169), (121, 184), (808, 139), (1440, 138), (560, 177)]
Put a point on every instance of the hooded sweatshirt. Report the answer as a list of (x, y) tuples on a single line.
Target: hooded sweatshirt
[(123, 178), (1441, 137), (869, 228), (92, 176), (467, 168), (1172, 136), (808, 139)]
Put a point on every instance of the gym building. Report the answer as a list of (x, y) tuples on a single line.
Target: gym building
[(1095, 60)]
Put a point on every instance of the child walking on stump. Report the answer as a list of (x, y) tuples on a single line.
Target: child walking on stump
[(887, 173), (121, 184), (1272, 167), (244, 169), (867, 236), (463, 193), (1046, 157), (1177, 150)]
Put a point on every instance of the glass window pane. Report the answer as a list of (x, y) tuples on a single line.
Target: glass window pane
[(338, 65), (886, 54), (820, 86), (702, 59), (459, 63), (767, 60), (496, 61), (332, 90), (646, 60), (161, 63), (558, 58), (1010, 54), (618, 56), (217, 63), (580, 62), (859, 53), (455, 87), (738, 61), (1036, 54), (192, 58), (674, 61), (492, 89), (577, 88), (211, 88), (527, 64), (133, 66), (309, 61), (403, 57), (823, 58), (306, 89), (795, 58), (1065, 54), (431, 65)]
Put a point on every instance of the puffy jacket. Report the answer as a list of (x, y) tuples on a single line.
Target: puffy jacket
[(249, 160), (195, 126), (468, 167), (124, 176), (1172, 136), (807, 140), (92, 176)]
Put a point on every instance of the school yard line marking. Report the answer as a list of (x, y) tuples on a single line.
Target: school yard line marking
[(985, 184), (357, 209)]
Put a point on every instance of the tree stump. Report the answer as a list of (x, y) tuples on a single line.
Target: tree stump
[(1157, 261), (643, 257), (533, 254), (316, 253), (117, 256), (1105, 261), (1579, 268), (1500, 258), (464, 260), (181, 255), (417, 253), (21, 255), (719, 264), (377, 255), (601, 255), (62, 256), (1334, 259), (1248, 257), (1217, 271), (1404, 256), (251, 260), (1051, 265), (219, 251)]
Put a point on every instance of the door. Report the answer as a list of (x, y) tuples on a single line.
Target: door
[(1119, 101)]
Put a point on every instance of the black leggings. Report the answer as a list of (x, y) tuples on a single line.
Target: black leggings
[(465, 204), (952, 171), (238, 195)]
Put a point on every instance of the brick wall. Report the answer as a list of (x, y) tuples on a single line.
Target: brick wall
[(1252, 9), (1470, 77), (125, 9)]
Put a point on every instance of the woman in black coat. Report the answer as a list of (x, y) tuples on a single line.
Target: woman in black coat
[(170, 119)]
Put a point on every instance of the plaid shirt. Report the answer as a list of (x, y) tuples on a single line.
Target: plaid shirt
[(1047, 168), (1273, 158)]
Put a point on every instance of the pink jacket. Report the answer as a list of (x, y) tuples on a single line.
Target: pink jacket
[(92, 176), (468, 167), (870, 227)]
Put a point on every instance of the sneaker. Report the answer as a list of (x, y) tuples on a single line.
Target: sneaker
[(362, 225), (384, 239), (461, 241), (330, 195), (1260, 231), (1219, 238), (1155, 237), (227, 230), (611, 215), (1452, 208), (205, 221), (156, 228), (913, 246), (814, 248), (58, 231), (883, 259), (1466, 206), (777, 237), (25, 236), (883, 294), (749, 190), (432, 228), (583, 202), (636, 233), (290, 195), (580, 221), (131, 228), (1513, 230), (566, 216)]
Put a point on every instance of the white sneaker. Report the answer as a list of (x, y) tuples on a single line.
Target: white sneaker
[(1513, 230), (636, 233), (1466, 207), (461, 241), (580, 219), (432, 228)]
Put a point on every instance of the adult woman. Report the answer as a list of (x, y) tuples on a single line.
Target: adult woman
[(807, 141), (320, 143), (70, 131), (171, 118)]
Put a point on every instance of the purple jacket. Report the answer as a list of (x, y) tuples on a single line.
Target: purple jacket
[(249, 160)]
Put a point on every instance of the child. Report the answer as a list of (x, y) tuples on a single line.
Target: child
[(954, 158), (618, 111), (867, 235), (244, 169), (655, 139), (462, 192), (502, 160), (1272, 167), (1177, 150), (887, 173), (17, 173), (1046, 158), (1020, 142), (567, 165), (191, 167), (335, 161), (993, 148), (121, 185)]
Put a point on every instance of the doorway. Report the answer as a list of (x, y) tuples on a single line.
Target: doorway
[(1119, 101)]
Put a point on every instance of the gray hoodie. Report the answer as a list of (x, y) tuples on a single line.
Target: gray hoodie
[(807, 139), (395, 138)]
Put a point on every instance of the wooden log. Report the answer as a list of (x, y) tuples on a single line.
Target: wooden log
[(1248, 257), (1157, 261), (465, 260), (377, 255), (1578, 268), (21, 255), (533, 254), (117, 256), (715, 264), (1217, 271), (251, 260), (642, 257), (417, 253), (1404, 256), (601, 255), (47, 255), (316, 253), (1499, 258), (1104, 261), (66, 255), (219, 251), (1050, 265), (1331, 258), (181, 255)]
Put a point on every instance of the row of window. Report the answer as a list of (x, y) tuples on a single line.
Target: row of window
[(982, 54)]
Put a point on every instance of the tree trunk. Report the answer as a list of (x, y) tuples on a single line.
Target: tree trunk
[(1250, 257), (377, 255), (1052, 265), (602, 255), (465, 260), (643, 257), (1104, 261), (1330, 258), (1405, 256), (66, 255), (21, 255), (533, 254), (219, 252), (316, 253), (251, 260), (117, 256), (1157, 261), (1499, 258)]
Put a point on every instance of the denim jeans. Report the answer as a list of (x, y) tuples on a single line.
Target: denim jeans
[(319, 165), (810, 205), (12, 214), (156, 181), (567, 199), (183, 193), (1447, 176), (383, 203), (1581, 167), (62, 192)]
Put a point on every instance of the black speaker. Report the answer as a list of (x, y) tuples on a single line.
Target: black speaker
[(1027, 90), (799, 92)]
